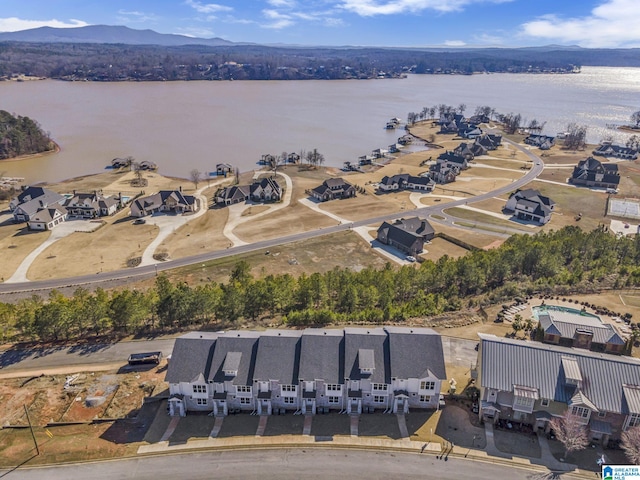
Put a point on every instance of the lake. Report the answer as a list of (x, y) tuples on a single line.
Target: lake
[(186, 125)]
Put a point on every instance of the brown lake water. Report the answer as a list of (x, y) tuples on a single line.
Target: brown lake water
[(187, 125)]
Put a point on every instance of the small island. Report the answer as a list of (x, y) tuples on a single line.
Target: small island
[(22, 136)]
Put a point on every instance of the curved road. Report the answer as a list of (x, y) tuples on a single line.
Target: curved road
[(281, 464), (148, 270)]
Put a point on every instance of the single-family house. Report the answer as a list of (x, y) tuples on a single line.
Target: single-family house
[(589, 333), (351, 370), (543, 142), (232, 195), (531, 383), (404, 181), (266, 190), (91, 205), (469, 130), (489, 141), (172, 201), (453, 161), (32, 199), (47, 218), (406, 234), (442, 173), (530, 205), (593, 173), (464, 150), (607, 149), (333, 188)]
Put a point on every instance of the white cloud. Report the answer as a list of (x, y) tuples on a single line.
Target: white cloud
[(281, 3), (14, 24), (207, 7), (614, 23), (368, 8), (277, 20), (136, 16), (454, 43)]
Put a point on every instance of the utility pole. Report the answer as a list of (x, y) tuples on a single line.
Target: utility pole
[(26, 411)]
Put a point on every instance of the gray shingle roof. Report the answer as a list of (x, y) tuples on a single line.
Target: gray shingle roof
[(374, 339), (322, 355), (278, 356), (191, 356), (602, 333), (246, 344), (507, 362), (414, 352)]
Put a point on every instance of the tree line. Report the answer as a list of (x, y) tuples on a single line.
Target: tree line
[(21, 136), (558, 261)]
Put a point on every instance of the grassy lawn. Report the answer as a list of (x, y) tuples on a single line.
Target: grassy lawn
[(440, 247), (484, 218), (378, 425), (475, 238), (330, 425), (288, 424)]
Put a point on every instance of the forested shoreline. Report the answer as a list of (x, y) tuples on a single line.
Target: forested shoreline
[(568, 260), (21, 136)]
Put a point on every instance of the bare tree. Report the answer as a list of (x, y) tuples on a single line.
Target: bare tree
[(195, 176), (315, 158), (511, 122), (576, 137), (571, 433), (634, 142), (635, 118), (461, 108), (631, 444)]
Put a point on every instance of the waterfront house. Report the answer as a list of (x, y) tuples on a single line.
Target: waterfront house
[(171, 201), (232, 195), (531, 383), (406, 234), (530, 205), (265, 190), (352, 370), (595, 174), (404, 181), (488, 141), (47, 218), (543, 142), (607, 149), (32, 199), (91, 205), (469, 130), (333, 188)]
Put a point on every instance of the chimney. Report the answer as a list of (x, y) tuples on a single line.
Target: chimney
[(180, 188), (41, 203)]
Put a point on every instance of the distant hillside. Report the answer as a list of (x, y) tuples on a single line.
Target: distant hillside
[(106, 34), (21, 136), (109, 54)]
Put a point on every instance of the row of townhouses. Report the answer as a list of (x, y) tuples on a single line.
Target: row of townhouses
[(530, 382), (350, 370)]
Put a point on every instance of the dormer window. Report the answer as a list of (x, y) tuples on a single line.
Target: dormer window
[(572, 373), (231, 364), (366, 361)]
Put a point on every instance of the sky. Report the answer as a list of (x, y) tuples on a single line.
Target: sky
[(398, 23)]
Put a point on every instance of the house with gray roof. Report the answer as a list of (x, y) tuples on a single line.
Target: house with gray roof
[(531, 383), (404, 181), (608, 149), (91, 205), (332, 189), (321, 369), (47, 218), (543, 142), (263, 190), (351, 370), (594, 174), (406, 234), (171, 201), (31, 200), (530, 205), (587, 332)]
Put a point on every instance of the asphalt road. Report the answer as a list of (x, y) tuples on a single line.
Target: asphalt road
[(281, 464), (40, 359), (145, 271)]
